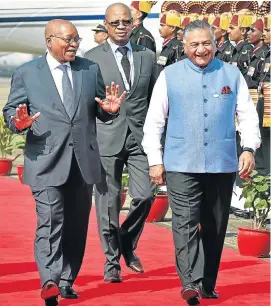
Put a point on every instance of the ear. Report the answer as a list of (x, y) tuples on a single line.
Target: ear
[(49, 42), (224, 32), (184, 48)]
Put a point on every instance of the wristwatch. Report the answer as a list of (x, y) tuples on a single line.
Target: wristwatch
[(246, 149)]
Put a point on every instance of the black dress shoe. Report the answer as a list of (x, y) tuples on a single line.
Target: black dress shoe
[(206, 294), (67, 292), (193, 301), (113, 276), (51, 302), (133, 262), (49, 290), (189, 292)]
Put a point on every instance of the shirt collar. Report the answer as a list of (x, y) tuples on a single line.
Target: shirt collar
[(210, 67), (114, 47), (53, 63)]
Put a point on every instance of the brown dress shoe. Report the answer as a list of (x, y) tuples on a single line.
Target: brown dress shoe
[(133, 262), (112, 276), (49, 290)]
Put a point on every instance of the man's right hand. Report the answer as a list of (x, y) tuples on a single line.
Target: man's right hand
[(157, 174), (23, 120)]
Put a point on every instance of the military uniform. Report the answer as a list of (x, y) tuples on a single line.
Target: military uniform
[(257, 63), (263, 153), (241, 56), (141, 36), (172, 52), (225, 52)]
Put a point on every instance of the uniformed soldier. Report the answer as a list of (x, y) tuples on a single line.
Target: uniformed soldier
[(239, 27), (100, 34), (221, 25), (263, 107), (260, 51), (140, 35), (172, 48), (208, 11)]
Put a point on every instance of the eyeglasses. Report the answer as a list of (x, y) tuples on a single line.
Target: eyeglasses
[(116, 23), (69, 40)]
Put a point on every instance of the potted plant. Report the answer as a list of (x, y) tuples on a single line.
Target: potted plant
[(160, 205), (8, 144), (255, 241), (125, 184)]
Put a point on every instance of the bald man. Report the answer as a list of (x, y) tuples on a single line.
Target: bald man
[(52, 100)]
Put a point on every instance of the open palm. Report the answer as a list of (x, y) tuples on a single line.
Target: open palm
[(23, 120), (112, 101)]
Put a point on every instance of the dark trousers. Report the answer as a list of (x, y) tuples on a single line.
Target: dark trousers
[(203, 199), (115, 239), (63, 215)]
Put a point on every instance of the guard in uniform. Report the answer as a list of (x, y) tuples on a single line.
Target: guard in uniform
[(263, 106), (242, 52), (170, 22), (100, 34), (140, 35), (221, 25), (238, 30)]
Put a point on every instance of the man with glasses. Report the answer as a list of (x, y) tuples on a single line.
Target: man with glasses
[(133, 67), (199, 158), (52, 100)]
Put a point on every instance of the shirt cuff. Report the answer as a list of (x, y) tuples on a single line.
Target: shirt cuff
[(155, 158)]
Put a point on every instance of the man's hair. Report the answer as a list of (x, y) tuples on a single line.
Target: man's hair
[(198, 25)]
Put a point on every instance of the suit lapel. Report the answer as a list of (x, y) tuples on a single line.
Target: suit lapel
[(137, 67), (77, 84), (49, 85)]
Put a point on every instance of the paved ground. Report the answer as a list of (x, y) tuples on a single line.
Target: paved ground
[(234, 222)]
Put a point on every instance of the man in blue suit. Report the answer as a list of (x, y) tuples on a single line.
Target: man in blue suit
[(200, 159), (52, 100)]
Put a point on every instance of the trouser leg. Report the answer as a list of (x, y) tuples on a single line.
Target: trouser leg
[(214, 220), (107, 202), (140, 189), (185, 197)]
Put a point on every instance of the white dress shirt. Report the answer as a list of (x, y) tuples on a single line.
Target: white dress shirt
[(118, 57), (57, 73), (248, 122)]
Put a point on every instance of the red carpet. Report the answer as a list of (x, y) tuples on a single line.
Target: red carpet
[(243, 281)]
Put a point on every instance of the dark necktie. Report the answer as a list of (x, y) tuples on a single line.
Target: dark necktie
[(67, 91), (125, 63)]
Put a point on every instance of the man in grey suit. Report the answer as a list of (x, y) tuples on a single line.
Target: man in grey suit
[(52, 100), (133, 67)]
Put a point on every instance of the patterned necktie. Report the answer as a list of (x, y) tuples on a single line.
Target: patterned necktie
[(67, 91), (125, 63)]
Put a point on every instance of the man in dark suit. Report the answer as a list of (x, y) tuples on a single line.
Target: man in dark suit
[(133, 67), (52, 100)]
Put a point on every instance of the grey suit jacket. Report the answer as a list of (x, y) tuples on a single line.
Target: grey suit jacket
[(111, 135), (54, 137)]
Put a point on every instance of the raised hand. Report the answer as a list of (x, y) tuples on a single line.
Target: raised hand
[(23, 120), (112, 101)]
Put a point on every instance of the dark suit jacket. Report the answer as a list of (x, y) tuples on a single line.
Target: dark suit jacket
[(53, 137), (111, 135)]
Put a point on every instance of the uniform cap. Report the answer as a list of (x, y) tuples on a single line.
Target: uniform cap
[(171, 18), (178, 6), (244, 13), (258, 24), (223, 15), (99, 28), (143, 6)]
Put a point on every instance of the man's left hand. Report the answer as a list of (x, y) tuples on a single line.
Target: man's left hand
[(112, 101), (246, 164)]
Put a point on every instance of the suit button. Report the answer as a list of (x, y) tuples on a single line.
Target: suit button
[(205, 130), (205, 100), (205, 115), (71, 144), (72, 124), (206, 144), (204, 86)]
